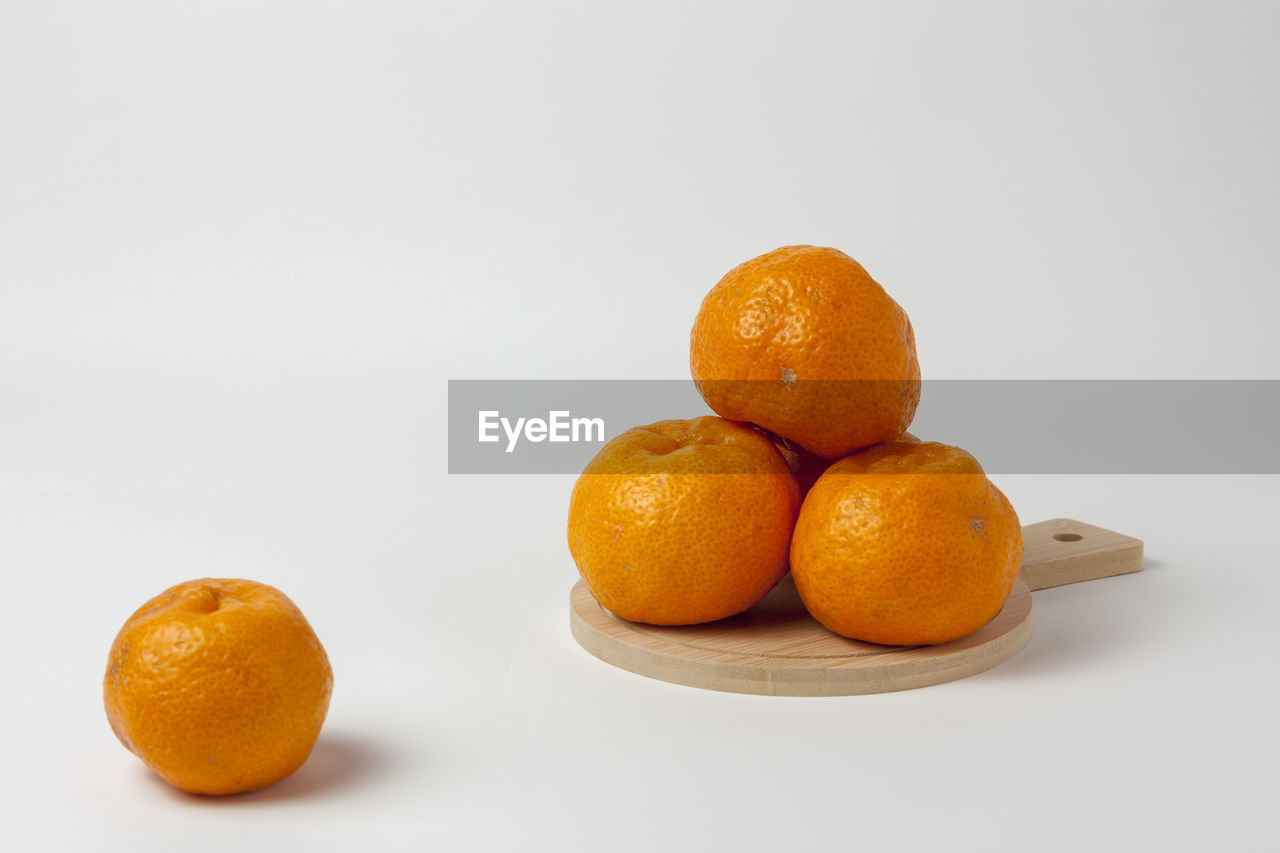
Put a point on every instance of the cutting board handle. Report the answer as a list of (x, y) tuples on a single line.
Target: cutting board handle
[(1062, 551)]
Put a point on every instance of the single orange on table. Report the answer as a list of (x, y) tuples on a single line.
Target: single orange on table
[(803, 342), (906, 543), (220, 686), (683, 521)]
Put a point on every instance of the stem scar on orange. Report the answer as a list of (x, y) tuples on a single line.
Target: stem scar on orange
[(220, 686), (906, 543), (681, 522), (803, 342)]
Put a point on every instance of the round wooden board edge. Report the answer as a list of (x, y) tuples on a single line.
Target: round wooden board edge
[(907, 673)]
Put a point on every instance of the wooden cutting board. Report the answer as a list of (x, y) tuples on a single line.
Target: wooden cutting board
[(777, 649)]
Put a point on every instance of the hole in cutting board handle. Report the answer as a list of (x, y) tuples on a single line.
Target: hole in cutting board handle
[(1068, 537)]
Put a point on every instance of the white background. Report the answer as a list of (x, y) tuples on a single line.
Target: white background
[(244, 245)]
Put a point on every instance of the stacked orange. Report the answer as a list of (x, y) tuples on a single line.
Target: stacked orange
[(812, 368)]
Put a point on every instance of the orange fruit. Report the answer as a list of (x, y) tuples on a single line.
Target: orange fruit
[(905, 543), (806, 467), (803, 342), (680, 522), (219, 686)]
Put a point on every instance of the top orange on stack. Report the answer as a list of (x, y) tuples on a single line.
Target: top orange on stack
[(900, 542), (804, 343)]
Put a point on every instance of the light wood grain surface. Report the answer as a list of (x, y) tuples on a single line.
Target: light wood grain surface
[(777, 649)]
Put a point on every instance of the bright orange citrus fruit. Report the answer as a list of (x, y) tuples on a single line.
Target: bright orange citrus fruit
[(905, 543), (681, 522), (806, 467), (803, 342), (219, 686)]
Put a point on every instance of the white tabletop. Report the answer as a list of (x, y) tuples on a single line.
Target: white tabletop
[(465, 715)]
